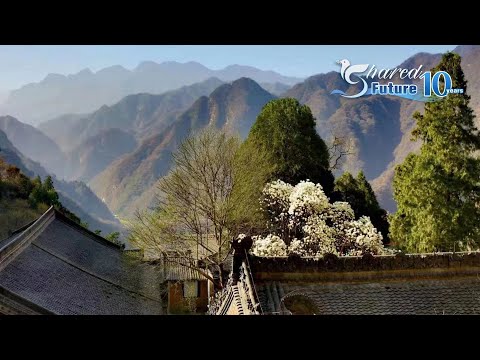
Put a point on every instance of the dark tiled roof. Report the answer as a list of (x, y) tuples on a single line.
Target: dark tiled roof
[(404, 284), (66, 269), (62, 288), (175, 271), (437, 283), (434, 296)]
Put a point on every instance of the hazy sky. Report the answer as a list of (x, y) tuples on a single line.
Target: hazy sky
[(20, 65)]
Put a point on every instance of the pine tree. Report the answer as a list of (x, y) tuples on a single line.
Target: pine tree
[(438, 190), (285, 129), (365, 187), (359, 194), (347, 189), (43, 193), (51, 196)]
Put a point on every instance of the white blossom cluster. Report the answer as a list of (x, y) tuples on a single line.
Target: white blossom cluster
[(367, 237), (278, 192), (304, 222), (271, 245), (306, 199)]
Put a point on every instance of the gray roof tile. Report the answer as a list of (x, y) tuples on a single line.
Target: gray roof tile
[(460, 295), (68, 270)]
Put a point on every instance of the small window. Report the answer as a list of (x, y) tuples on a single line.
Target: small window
[(190, 289)]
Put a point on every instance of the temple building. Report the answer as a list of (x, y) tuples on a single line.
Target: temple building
[(438, 283), (188, 290), (56, 266)]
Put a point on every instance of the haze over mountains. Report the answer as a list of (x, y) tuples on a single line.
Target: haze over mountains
[(76, 196), (33, 143), (139, 114), (122, 148), (86, 91)]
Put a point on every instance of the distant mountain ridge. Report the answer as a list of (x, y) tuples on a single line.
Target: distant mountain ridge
[(12, 156), (33, 143), (91, 142), (97, 152), (275, 88), (152, 126), (139, 114), (86, 91), (129, 182)]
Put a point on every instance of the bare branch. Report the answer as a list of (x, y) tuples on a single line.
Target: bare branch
[(339, 147)]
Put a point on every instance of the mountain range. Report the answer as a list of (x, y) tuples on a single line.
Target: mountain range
[(122, 149), (139, 114), (379, 126), (91, 145), (33, 143), (87, 91), (129, 182)]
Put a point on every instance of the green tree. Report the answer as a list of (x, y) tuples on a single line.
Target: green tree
[(114, 237), (285, 130), (347, 189), (24, 186), (253, 169), (37, 181), (378, 216), (35, 197), (50, 194), (437, 190), (370, 198), (43, 193), (361, 197)]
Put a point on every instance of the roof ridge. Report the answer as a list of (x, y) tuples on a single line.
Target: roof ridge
[(237, 298), (94, 275), (88, 232), (250, 284), (16, 244), (52, 212)]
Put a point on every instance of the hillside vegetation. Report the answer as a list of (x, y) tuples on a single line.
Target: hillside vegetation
[(23, 200)]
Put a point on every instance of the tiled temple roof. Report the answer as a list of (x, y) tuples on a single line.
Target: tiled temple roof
[(437, 283), (175, 271), (418, 297), (65, 269)]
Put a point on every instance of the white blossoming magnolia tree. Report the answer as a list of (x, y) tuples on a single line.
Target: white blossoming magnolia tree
[(304, 222)]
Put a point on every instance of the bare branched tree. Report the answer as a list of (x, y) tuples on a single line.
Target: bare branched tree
[(339, 148), (192, 220)]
